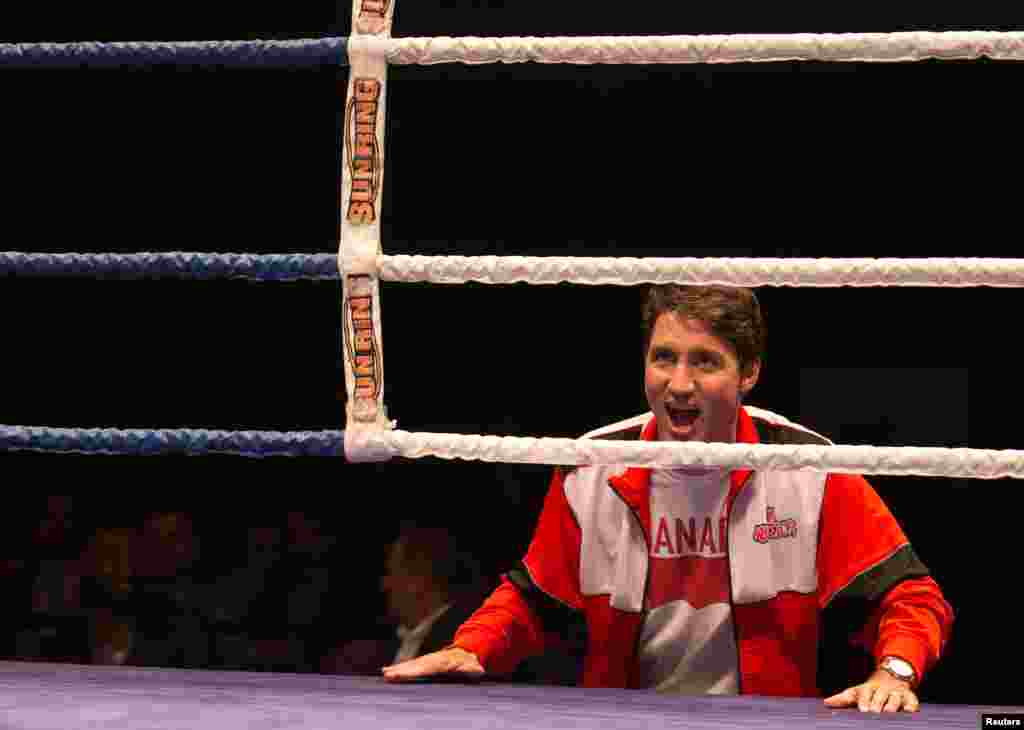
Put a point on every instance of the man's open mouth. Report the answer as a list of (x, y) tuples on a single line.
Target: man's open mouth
[(682, 416)]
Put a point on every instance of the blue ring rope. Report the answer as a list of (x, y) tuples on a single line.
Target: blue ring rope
[(266, 53), (274, 267), (172, 265), (196, 442)]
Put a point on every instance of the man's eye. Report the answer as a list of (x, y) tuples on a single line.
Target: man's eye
[(663, 355)]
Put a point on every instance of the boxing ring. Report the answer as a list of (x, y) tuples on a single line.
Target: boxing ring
[(52, 696), (47, 697)]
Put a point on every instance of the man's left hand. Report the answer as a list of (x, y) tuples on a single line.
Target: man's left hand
[(882, 692)]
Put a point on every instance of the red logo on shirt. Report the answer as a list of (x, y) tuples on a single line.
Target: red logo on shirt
[(689, 563), (698, 580), (774, 529)]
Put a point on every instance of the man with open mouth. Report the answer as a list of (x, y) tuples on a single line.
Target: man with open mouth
[(701, 580)]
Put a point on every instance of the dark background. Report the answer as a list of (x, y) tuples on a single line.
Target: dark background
[(767, 160)]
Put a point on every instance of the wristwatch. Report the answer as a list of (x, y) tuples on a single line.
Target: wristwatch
[(899, 668)]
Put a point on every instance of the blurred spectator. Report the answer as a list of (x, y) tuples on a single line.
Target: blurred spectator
[(243, 629), (266, 608), (124, 586), (51, 625), (307, 569), (107, 593), (144, 607), (286, 606), (169, 627), (430, 587)]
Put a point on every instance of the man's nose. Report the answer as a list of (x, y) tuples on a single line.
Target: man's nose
[(681, 381)]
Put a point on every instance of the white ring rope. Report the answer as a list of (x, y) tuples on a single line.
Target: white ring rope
[(683, 49), (933, 272), (379, 444), (368, 444)]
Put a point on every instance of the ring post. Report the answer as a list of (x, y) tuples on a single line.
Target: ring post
[(361, 201)]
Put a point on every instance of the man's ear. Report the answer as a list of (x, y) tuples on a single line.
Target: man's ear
[(749, 376)]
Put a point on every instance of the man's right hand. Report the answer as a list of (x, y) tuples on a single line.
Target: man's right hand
[(451, 662)]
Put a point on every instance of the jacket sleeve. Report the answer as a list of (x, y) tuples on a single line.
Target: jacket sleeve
[(866, 561), (527, 613), (914, 621)]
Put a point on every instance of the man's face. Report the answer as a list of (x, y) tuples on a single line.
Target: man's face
[(693, 381)]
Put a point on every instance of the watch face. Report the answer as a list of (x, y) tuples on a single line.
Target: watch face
[(901, 667)]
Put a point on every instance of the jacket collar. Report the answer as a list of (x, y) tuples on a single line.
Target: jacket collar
[(634, 484)]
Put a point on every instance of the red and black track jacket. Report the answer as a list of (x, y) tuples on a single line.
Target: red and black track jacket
[(589, 557)]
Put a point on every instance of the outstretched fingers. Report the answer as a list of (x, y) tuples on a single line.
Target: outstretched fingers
[(871, 697), (447, 662)]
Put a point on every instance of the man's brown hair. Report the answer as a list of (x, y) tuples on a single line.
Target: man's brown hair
[(732, 314)]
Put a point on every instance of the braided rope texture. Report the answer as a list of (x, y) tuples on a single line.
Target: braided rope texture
[(625, 271), (175, 265), (378, 445), (845, 47), (268, 53), (677, 49), (146, 442)]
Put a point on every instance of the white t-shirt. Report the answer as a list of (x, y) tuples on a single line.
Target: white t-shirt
[(688, 642)]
